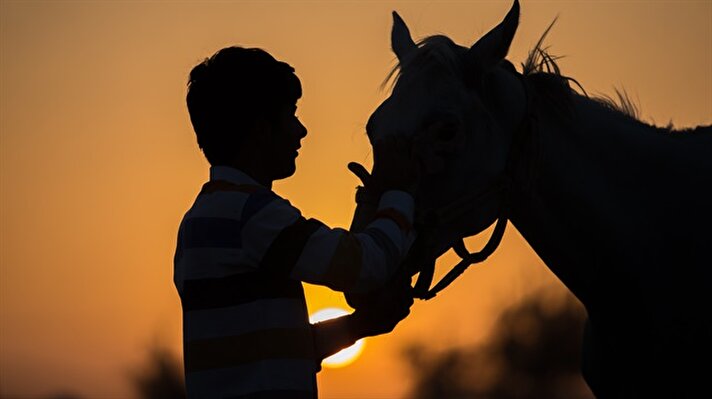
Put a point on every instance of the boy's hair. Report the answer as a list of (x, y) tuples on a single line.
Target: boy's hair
[(233, 89)]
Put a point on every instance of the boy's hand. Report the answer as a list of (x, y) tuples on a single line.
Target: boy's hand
[(395, 167), (384, 309), (379, 314), (366, 200)]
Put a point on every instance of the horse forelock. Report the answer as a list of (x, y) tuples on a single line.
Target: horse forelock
[(436, 50)]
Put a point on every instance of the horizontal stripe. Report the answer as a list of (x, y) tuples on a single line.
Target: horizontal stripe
[(235, 290), (397, 236), (278, 394), (214, 186), (232, 175), (375, 270), (178, 255), (199, 263), (386, 244), (265, 226), (314, 260), (227, 205), (281, 343), (400, 201), (235, 320), (255, 202), (396, 216), (210, 232), (253, 378), (282, 254), (345, 267)]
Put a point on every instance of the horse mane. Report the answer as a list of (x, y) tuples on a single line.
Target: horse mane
[(542, 72), (542, 69)]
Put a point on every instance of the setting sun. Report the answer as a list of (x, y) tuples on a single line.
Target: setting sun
[(345, 356)]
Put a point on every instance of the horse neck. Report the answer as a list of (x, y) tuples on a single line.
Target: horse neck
[(600, 178)]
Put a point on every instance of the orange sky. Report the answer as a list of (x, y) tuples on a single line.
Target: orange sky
[(98, 161)]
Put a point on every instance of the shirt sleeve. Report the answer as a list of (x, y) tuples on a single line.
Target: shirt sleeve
[(280, 240)]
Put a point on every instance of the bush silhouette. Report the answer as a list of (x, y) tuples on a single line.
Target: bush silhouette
[(534, 351), (161, 378)]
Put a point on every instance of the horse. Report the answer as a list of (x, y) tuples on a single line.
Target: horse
[(619, 210)]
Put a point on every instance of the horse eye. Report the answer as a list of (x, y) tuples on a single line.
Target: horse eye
[(445, 131)]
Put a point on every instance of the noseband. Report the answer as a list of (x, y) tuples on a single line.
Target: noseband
[(454, 211)]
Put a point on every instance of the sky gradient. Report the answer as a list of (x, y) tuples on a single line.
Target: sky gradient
[(98, 160)]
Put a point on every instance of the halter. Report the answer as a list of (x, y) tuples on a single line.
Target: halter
[(465, 204)]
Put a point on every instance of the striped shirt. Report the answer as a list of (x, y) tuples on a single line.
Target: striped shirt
[(241, 256)]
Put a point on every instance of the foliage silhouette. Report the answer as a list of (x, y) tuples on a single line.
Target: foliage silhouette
[(533, 352), (60, 395), (161, 378)]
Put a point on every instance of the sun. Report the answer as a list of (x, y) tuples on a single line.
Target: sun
[(345, 356)]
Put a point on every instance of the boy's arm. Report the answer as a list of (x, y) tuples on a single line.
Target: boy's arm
[(280, 240)]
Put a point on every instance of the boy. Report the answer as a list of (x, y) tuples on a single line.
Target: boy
[(243, 251)]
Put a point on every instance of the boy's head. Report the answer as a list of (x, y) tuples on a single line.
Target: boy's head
[(233, 92)]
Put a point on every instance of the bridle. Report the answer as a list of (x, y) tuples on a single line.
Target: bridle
[(445, 215), (429, 221)]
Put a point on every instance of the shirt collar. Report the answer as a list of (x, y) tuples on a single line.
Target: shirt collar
[(232, 175)]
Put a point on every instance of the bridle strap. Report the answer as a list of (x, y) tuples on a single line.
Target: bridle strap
[(462, 205), (448, 214), (421, 290)]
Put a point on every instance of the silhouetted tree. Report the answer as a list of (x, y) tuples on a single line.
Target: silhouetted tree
[(534, 351), (61, 395), (161, 378)]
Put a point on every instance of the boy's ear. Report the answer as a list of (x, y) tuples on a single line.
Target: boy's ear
[(255, 136), (261, 129)]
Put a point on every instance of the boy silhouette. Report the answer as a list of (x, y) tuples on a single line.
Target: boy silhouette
[(243, 251)]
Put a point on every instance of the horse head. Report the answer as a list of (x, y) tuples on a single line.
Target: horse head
[(459, 106)]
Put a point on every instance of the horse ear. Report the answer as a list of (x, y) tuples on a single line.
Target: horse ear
[(401, 42), (493, 47)]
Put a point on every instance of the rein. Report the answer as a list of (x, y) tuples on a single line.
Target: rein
[(461, 206)]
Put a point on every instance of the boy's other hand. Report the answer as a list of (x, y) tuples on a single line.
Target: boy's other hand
[(384, 309)]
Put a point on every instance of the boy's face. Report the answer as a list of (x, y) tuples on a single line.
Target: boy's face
[(286, 133)]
